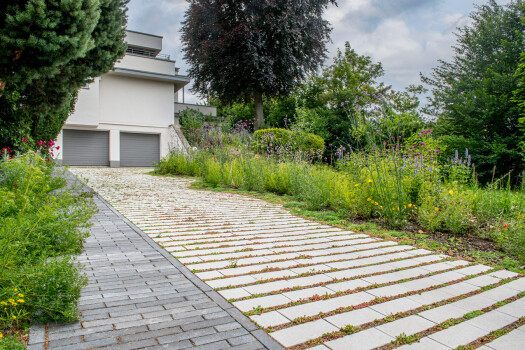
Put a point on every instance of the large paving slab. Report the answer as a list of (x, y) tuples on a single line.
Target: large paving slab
[(301, 281), (140, 297)]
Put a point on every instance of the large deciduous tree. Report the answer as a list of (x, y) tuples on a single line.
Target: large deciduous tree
[(245, 49), (472, 94), (48, 50)]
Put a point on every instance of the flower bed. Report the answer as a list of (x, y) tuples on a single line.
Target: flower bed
[(42, 226), (398, 184)]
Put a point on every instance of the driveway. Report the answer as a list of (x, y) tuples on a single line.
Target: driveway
[(315, 286)]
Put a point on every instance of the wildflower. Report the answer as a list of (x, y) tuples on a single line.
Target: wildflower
[(356, 185), (16, 290), (376, 203), (3, 303), (1, 335), (256, 156), (21, 301), (410, 205), (451, 192), (21, 295), (437, 209), (213, 157), (505, 225), (369, 181), (14, 317), (369, 199), (11, 301)]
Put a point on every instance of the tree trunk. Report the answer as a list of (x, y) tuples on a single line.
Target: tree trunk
[(259, 114)]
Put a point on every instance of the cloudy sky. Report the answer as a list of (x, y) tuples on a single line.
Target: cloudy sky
[(406, 36)]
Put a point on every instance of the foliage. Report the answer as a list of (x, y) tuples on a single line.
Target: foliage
[(253, 48), (289, 143), (49, 49), (42, 225), (346, 102), (393, 182), (472, 93), (191, 119)]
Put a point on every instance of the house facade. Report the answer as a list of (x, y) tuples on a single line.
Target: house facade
[(126, 116)]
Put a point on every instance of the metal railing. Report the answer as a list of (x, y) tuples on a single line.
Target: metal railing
[(148, 53)]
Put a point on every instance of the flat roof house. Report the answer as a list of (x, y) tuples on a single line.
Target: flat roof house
[(126, 116)]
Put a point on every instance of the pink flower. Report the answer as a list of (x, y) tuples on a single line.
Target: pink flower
[(58, 147), (40, 143)]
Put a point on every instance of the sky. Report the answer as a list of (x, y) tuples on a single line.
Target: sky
[(407, 36)]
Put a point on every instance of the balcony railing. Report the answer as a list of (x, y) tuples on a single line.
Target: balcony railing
[(147, 53)]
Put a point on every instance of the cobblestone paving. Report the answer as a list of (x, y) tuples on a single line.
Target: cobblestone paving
[(140, 297), (316, 286)]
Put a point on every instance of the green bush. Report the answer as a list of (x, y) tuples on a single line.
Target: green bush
[(42, 226), (191, 119), (289, 143)]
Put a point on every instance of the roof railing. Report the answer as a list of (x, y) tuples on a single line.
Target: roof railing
[(147, 53)]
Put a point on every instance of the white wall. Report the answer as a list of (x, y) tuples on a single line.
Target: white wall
[(140, 102), (147, 64), (87, 106), (144, 40)]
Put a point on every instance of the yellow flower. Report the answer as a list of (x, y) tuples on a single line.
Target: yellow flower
[(16, 290), (3, 303), (376, 203), (15, 304), (20, 301), (368, 199), (451, 192), (369, 181), (437, 209), (1, 335), (356, 185), (21, 295), (14, 317), (11, 300), (410, 205)]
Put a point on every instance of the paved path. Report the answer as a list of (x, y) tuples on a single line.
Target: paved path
[(316, 286), (140, 297)]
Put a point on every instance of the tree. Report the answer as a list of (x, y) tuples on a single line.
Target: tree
[(472, 94), (245, 49), (49, 50), (519, 93)]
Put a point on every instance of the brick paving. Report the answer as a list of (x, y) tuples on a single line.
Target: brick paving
[(140, 297), (303, 282)]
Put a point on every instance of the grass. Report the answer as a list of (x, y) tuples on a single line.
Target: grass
[(342, 220)]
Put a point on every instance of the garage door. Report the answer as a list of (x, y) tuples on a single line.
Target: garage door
[(139, 149), (86, 148)]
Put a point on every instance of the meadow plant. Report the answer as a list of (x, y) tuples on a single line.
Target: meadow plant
[(392, 181), (42, 226)]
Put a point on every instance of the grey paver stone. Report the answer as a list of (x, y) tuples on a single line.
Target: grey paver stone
[(514, 340), (365, 340), (460, 334), (408, 325), (301, 333)]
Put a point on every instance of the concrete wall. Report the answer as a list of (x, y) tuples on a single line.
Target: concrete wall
[(133, 101), (87, 109), (206, 110), (147, 41), (147, 64)]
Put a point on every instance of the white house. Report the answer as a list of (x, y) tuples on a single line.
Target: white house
[(126, 116)]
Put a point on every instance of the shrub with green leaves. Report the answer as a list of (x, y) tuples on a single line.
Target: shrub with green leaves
[(289, 143), (42, 227)]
